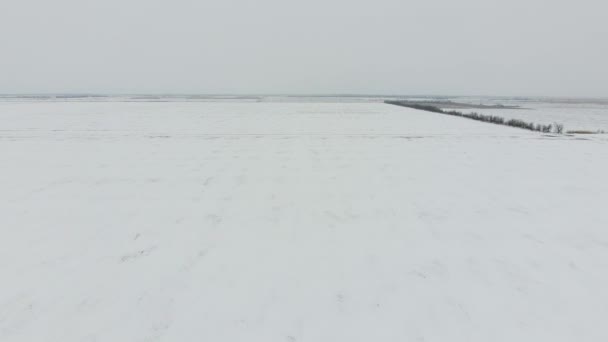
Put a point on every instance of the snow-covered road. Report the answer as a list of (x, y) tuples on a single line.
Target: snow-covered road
[(296, 222)]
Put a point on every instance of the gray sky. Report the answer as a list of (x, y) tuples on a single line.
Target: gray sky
[(467, 47)]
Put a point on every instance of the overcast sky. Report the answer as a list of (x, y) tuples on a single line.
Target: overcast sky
[(468, 47)]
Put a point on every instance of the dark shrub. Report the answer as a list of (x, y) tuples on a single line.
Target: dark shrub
[(485, 118)]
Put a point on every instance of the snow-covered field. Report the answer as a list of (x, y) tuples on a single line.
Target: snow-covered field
[(591, 115), (295, 222)]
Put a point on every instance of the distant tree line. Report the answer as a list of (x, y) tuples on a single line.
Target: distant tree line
[(557, 128)]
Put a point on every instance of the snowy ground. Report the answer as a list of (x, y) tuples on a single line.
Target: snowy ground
[(591, 115), (296, 222)]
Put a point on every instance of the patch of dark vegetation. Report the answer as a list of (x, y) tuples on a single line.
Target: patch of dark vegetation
[(426, 107), (582, 131), (557, 128)]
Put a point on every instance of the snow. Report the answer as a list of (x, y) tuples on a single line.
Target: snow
[(291, 222), (591, 115)]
